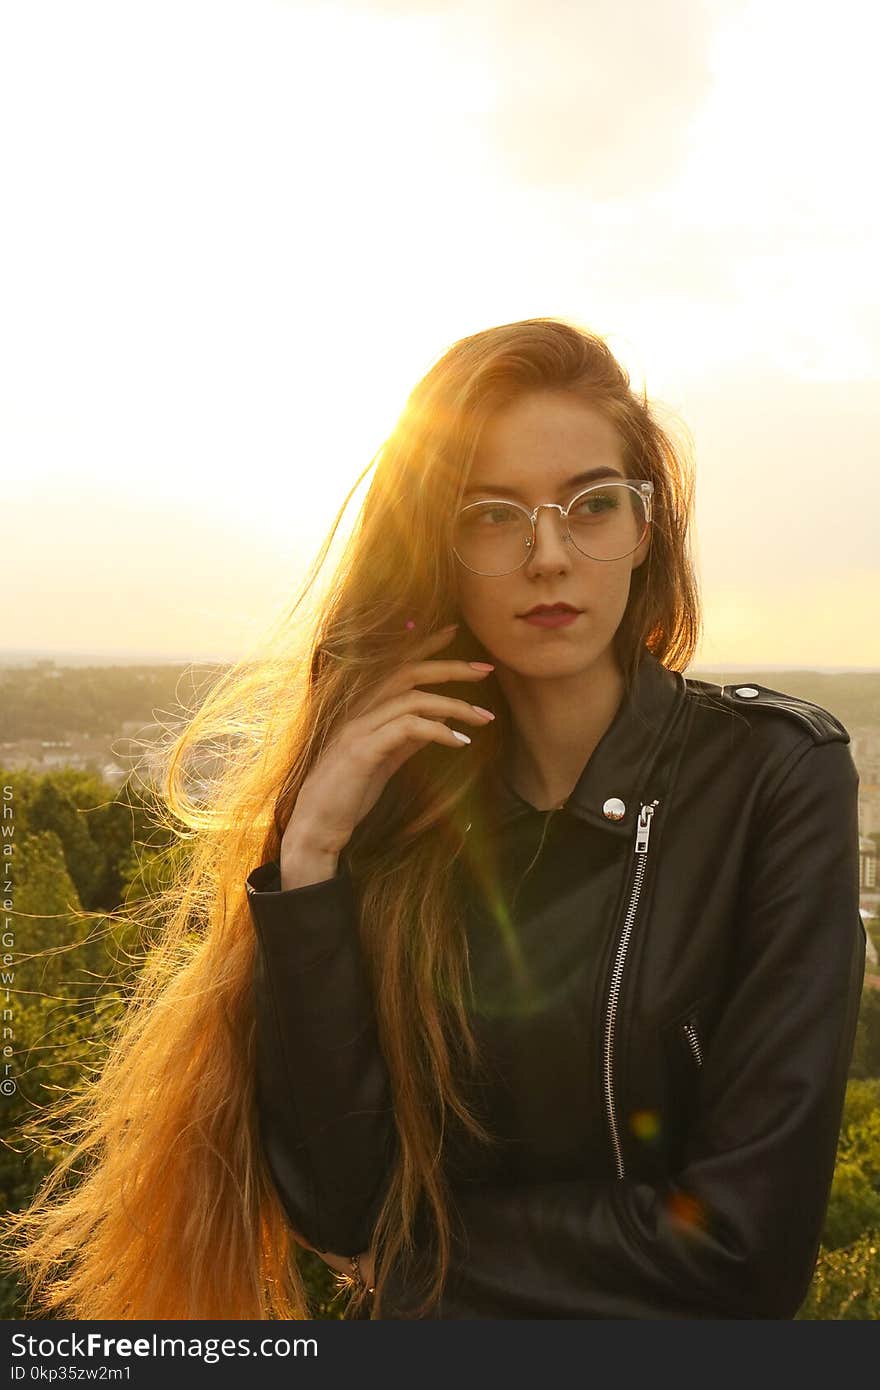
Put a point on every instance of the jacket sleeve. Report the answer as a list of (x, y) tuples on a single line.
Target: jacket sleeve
[(322, 1088), (735, 1232)]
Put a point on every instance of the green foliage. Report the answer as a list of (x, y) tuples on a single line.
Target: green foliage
[(854, 1207), (866, 1053), (322, 1286), (846, 1283), (70, 976), (54, 1010), (55, 809)]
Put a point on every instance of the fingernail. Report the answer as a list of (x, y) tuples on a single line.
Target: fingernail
[(481, 665), (488, 713)]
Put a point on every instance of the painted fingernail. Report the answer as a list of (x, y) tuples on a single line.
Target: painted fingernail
[(481, 665), (463, 737), (488, 713)]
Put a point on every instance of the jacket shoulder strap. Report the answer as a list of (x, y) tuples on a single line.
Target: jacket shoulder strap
[(822, 724)]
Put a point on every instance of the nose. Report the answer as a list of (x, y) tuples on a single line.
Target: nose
[(552, 544)]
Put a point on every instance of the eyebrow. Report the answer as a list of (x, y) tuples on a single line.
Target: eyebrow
[(591, 473)]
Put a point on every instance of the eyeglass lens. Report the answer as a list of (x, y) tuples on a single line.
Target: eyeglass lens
[(606, 523)]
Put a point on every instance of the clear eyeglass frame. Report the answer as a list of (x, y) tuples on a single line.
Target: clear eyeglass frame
[(642, 486)]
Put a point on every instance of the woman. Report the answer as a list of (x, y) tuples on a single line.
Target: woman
[(664, 1039), (553, 1022)]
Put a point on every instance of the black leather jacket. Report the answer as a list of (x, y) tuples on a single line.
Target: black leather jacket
[(730, 987)]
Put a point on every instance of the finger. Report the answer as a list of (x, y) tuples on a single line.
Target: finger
[(300, 1240), (407, 678), (391, 683), (386, 741), (440, 636), (430, 642), (428, 704), (433, 672)]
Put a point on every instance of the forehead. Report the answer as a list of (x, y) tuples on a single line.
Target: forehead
[(544, 440), (547, 431)]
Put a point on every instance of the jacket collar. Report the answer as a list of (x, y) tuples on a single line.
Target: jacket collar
[(608, 791)]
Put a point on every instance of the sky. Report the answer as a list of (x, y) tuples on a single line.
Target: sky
[(237, 232)]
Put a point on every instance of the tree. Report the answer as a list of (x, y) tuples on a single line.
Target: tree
[(846, 1283), (866, 1052)]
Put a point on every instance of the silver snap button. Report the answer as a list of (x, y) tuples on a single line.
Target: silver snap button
[(748, 692), (614, 808)]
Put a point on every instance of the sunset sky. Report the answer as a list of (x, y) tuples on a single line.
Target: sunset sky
[(237, 232)]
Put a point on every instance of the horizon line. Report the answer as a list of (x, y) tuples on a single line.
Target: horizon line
[(82, 656)]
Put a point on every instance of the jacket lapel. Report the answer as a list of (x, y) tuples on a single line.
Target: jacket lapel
[(608, 789)]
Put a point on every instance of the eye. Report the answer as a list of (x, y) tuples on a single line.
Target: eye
[(494, 514), (594, 504)]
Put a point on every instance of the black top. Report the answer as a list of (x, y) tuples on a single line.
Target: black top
[(534, 986)]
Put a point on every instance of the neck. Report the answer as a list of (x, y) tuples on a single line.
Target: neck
[(556, 726)]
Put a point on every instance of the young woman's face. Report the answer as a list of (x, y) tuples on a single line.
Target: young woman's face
[(530, 452)]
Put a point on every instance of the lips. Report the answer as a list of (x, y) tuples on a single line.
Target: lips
[(550, 608)]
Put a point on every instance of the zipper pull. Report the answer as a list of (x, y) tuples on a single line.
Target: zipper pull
[(644, 826), (689, 1028)]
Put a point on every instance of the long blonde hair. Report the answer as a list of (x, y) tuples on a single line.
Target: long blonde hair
[(174, 1214)]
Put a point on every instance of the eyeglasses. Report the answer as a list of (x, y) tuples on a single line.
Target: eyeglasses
[(604, 522)]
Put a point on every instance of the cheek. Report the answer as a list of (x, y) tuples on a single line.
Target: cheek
[(482, 607), (612, 595), (473, 595), (611, 582)]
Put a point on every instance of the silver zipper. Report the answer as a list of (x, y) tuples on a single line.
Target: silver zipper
[(690, 1031), (643, 831)]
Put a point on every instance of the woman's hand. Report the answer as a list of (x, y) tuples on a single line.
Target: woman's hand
[(341, 1263), (389, 726)]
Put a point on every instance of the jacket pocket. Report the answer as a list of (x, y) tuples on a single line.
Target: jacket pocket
[(682, 1049)]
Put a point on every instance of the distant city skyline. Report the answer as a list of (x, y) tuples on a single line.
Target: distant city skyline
[(28, 657)]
